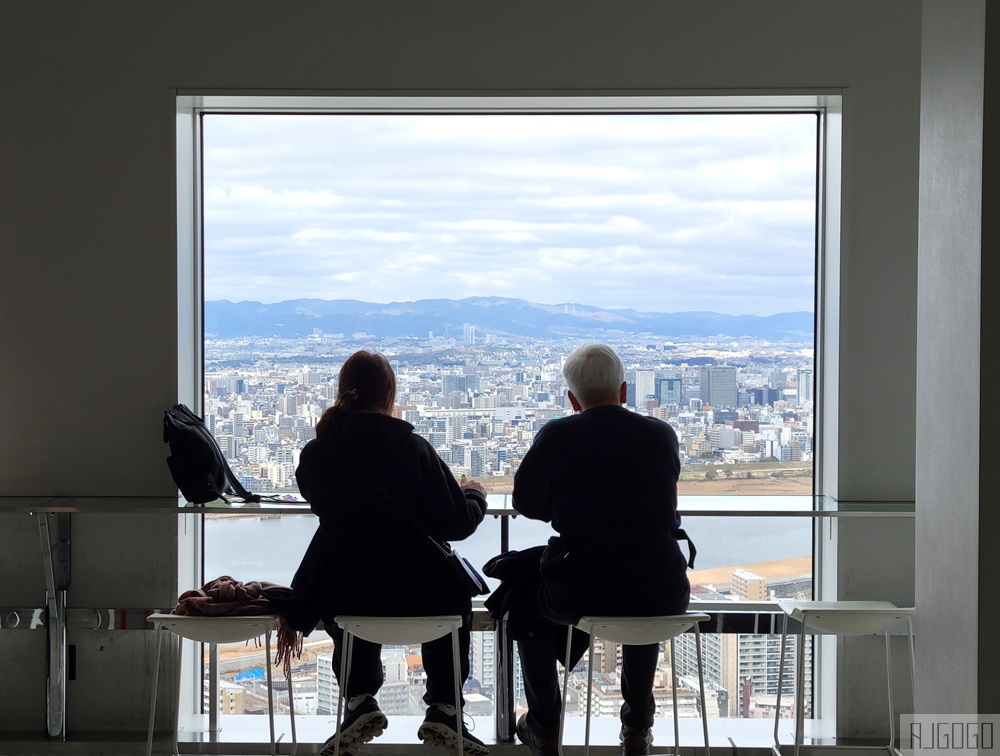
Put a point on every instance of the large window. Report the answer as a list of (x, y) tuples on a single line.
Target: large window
[(476, 250)]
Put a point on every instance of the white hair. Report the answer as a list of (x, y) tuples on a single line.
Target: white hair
[(594, 372)]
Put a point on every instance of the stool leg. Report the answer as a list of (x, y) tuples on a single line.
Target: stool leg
[(800, 693), (888, 676), (913, 666), (566, 671), (673, 696), (590, 690), (345, 670), (456, 664), (270, 689), (177, 708), (152, 703), (291, 712), (701, 687), (781, 676), (913, 662)]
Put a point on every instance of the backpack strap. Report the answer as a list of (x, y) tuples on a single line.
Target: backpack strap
[(238, 488), (681, 535)]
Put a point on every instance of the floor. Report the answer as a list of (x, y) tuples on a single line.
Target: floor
[(248, 735)]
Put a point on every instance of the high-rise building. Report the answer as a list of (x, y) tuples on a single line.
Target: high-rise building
[(668, 391), (482, 653), (718, 386), (764, 396), (327, 689), (478, 461), (645, 387), (804, 384), (748, 585), (745, 665), (393, 696)]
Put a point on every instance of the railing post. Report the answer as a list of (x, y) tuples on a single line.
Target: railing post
[(504, 655)]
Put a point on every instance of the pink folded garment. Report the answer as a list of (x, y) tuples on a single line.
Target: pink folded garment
[(225, 596)]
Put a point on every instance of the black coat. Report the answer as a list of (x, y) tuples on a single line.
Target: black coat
[(606, 479), (368, 554)]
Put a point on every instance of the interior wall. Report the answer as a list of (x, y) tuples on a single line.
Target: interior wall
[(988, 653), (87, 198), (948, 360)]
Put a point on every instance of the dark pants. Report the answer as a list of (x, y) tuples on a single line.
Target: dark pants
[(365, 675), (540, 653)]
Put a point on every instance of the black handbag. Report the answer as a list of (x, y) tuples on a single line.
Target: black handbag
[(461, 568)]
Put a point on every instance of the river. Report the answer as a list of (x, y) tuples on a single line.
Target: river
[(253, 548)]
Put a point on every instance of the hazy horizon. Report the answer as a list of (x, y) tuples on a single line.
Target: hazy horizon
[(542, 304)]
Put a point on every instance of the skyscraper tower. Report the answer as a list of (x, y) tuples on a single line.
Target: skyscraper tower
[(645, 388), (804, 384), (668, 391), (718, 386)]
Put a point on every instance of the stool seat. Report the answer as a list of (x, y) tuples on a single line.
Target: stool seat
[(842, 618), (847, 617), (640, 631), (635, 631), (214, 630), (397, 631)]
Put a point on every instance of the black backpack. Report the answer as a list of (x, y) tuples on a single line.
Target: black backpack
[(196, 461)]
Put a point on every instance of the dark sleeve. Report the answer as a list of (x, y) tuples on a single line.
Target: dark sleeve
[(315, 479), (454, 514), (531, 483), (305, 473)]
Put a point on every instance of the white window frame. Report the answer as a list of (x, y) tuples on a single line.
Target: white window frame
[(829, 104)]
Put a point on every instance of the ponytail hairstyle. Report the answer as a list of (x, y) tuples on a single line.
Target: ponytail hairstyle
[(366, 383)]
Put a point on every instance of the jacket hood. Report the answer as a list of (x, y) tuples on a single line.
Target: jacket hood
[(365, 439)]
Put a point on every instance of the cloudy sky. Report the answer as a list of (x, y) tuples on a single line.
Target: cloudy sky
[(661, 213)]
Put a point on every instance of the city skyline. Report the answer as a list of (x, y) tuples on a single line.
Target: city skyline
[(480, 403)]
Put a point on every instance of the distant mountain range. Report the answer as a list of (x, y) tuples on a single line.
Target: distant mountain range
[(497, 315)]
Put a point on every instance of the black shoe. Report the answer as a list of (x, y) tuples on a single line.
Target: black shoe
[(635, 740), (438, 729), (360, 725), (538, 746)]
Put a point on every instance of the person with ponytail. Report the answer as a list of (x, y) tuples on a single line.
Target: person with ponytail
[(371, 480)]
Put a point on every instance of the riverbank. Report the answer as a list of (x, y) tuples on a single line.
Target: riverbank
[(777, 568)]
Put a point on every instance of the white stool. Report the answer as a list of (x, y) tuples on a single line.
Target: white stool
[(398, 631), (838, 618), (635, 631), (216, 630)]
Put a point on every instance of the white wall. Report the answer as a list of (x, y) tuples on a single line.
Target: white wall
[(87, 216), (957, 514)]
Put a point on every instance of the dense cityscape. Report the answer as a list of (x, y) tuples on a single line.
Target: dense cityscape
[(736, 404), (742, 409)]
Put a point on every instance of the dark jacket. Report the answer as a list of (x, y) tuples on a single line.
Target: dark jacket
[(606, 479), (372, 559)]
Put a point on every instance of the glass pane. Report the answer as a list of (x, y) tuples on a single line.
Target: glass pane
[(476, 251)]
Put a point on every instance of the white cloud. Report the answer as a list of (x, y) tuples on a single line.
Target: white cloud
[(651, 212)]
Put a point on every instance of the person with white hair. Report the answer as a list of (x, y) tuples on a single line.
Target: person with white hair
[(606, 478)]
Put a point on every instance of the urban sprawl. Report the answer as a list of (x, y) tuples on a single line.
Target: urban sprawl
[(740, 408), (737, 405)]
